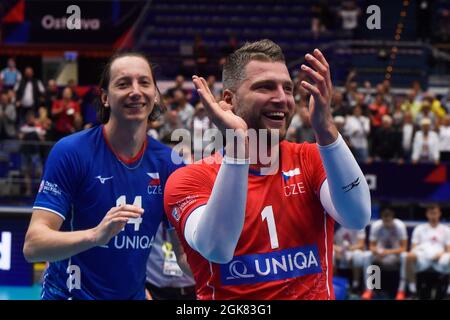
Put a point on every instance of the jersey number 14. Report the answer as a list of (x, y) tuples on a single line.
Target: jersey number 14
[(122, 200)]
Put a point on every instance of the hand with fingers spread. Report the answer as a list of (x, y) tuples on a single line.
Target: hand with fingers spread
[(114, 221), (320, 101), (221, 112)]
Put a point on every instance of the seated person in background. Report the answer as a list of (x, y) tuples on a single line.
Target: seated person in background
[(348, 251), (165, 280), (425, 144), (31, 133), (388, 239), (430, 248)]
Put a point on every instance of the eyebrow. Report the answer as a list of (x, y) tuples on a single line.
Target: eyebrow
[(129, 77), (262, 82)]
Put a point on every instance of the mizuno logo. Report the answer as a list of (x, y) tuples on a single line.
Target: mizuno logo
[(350, 186), (102, 180)]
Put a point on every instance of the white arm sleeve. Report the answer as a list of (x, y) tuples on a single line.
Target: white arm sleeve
[(345, 193), (213, 230)]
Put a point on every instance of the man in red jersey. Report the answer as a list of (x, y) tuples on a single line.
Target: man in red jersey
[(253, 230)]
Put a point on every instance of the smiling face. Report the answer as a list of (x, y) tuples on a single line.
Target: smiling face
[(265, 98), (131, 90), (433, 215)]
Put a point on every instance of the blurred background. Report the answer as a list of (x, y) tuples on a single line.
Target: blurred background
[(391, 70)]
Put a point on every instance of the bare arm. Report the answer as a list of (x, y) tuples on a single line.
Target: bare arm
[(44, 241), (179, 252)]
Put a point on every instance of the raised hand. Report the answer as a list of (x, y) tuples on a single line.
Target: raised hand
[(321, 93), (219, 112), (114, 221)]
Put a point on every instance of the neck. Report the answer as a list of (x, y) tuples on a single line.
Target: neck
[(434, 224), (126, 139)]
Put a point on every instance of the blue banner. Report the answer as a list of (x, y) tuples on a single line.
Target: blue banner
[(270, 266)]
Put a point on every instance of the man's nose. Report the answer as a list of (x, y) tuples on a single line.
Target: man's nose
[(135, 90)]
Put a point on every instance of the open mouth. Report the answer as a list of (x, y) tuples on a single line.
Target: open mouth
[(135, 105), (275, 116)]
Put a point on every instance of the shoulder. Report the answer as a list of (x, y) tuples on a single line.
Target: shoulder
[(376, 225), (77, 142), (399, 223), (158, 149), (301, 149), (205, 169)]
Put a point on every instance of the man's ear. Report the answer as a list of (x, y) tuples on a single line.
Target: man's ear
[(104, 98), (228, 96)]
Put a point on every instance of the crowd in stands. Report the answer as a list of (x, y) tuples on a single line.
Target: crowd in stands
[(379, 125), (376, 123)]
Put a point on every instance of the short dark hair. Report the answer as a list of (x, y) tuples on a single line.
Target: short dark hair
[(387, 213), (234, 67), (432, 206), (103, 112)]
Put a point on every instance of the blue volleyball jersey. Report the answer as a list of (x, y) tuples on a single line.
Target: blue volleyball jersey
[(82, 181)]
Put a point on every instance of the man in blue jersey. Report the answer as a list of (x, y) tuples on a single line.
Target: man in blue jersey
[(100, 201)]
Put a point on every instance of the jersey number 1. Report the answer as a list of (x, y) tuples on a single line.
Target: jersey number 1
[(267, 213)]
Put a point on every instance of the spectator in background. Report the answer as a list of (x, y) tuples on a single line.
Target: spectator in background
[(29, 92), (185, 109), (430, 248), (417, 90), (387, 142), (349, 14), (305, 132), (348, 248), (66, 115), (398, 114), (388, 239), (75, 96), (425, 144), (171, 122), (51, 95), (436, 106), (322, 18), (424, 15), (8, 118), (178, 85), (384, 89), (407, 131), (45, 123), (411, 105), (426, 113), (377, 110), (164, 278), (351, 89), (31, 133), (338, 106), (200, 123), (357, 128), (10, 76), (201, 55), (295, 124), (444, 139), (43, 120), (227, 49), (211, 82)]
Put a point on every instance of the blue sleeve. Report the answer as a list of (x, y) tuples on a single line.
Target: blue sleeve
[(60, 179)]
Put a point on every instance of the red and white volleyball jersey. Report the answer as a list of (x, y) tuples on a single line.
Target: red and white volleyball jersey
[(285, 248)]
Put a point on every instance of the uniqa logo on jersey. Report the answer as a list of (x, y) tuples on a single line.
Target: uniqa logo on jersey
[(279, 265)]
